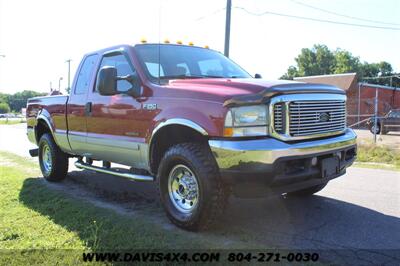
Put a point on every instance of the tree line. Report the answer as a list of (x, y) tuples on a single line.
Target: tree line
[(320, 60), (15, 102)]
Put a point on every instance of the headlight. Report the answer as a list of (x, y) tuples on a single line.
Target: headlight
[(246, 121)]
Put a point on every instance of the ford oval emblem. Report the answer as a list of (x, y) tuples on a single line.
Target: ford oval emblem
[(324, 117)]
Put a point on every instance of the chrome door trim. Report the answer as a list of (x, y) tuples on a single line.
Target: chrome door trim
[(127, 150)]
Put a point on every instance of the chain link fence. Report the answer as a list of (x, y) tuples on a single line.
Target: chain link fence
[(375, 112)]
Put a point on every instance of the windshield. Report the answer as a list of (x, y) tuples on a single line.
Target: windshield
[(164, 62)]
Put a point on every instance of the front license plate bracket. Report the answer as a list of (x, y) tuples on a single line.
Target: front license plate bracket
[(330, 167)]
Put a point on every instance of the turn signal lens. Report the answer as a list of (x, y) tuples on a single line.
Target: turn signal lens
[(228, 132)]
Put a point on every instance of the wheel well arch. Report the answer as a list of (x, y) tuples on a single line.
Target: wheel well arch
[(168, 136), (41, 128)]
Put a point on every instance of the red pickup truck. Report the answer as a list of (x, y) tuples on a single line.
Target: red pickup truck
[(195, 123)]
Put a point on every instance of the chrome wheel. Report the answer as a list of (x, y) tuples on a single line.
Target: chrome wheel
[(46, 159), (183, 188)]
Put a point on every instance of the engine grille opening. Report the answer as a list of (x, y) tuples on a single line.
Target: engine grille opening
[(309, 118)]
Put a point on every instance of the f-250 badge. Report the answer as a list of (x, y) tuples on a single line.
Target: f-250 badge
[(150, 106)]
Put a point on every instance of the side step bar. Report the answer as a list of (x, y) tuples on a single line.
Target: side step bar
[(142, 178)]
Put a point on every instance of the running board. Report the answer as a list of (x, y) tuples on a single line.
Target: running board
[(142, 178)]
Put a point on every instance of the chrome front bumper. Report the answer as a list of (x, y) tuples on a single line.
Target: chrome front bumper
[(232, 154), (31, 135)]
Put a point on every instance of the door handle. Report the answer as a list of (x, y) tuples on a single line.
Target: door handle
[(88, 109)]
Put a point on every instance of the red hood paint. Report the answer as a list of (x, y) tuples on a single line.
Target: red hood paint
[(220, 90), (240, 91)]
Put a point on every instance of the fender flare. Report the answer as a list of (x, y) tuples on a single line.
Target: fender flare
[(42, 117), (173, 121)]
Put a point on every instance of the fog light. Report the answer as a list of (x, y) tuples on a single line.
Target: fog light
[(314, 161)]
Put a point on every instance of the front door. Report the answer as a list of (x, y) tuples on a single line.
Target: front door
[(113, 126)]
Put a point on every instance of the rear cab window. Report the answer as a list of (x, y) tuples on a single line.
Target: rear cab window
[(85, 74)]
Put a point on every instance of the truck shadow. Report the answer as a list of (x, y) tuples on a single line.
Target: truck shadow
[(317, 222)]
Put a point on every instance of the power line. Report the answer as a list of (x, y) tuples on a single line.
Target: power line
[(343, 15), (316, 19), (209, 15)]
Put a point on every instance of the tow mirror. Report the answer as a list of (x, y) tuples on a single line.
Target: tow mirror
[(135, 90), (107, 81), (258, 76)]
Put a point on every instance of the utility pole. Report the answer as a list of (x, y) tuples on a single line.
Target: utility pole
[(69, 75), (376, 114), (227, 26)]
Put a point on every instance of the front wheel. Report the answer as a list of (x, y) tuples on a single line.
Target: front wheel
[(375, 129), (53, 162), (190, 188)]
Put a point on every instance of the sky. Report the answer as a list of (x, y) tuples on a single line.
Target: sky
[(37, 37)]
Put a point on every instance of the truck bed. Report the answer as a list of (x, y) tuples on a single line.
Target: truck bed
[(52, 108)]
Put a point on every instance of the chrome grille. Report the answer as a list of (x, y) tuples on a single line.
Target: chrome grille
[(278, 117), (307, 118)]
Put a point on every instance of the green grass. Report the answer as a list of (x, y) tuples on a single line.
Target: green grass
[(35, 217), (12, 122), (377, 156)]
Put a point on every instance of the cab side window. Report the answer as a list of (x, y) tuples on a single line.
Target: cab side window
[(123, 67), (85, 74)]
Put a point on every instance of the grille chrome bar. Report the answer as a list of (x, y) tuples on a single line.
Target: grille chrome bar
[(278, 115)]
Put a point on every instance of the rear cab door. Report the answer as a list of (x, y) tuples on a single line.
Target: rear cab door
[(77, 108)]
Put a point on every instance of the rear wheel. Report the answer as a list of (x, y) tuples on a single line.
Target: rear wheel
[(190, 188), (53, 162), (308, 191)]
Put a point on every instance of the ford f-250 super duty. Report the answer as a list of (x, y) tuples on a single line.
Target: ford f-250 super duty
[(196, 123)]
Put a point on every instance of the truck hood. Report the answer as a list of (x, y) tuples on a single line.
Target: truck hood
[(243, 91)]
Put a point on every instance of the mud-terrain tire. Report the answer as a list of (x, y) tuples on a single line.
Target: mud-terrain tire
[(190, 186), (53, 162), (308, 191)]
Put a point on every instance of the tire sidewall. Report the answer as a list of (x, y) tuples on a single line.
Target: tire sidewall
[(377, 129), (46, 140)]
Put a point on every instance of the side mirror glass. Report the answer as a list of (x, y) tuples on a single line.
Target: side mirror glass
[(258, 76), (135, 89), (107, 81)]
